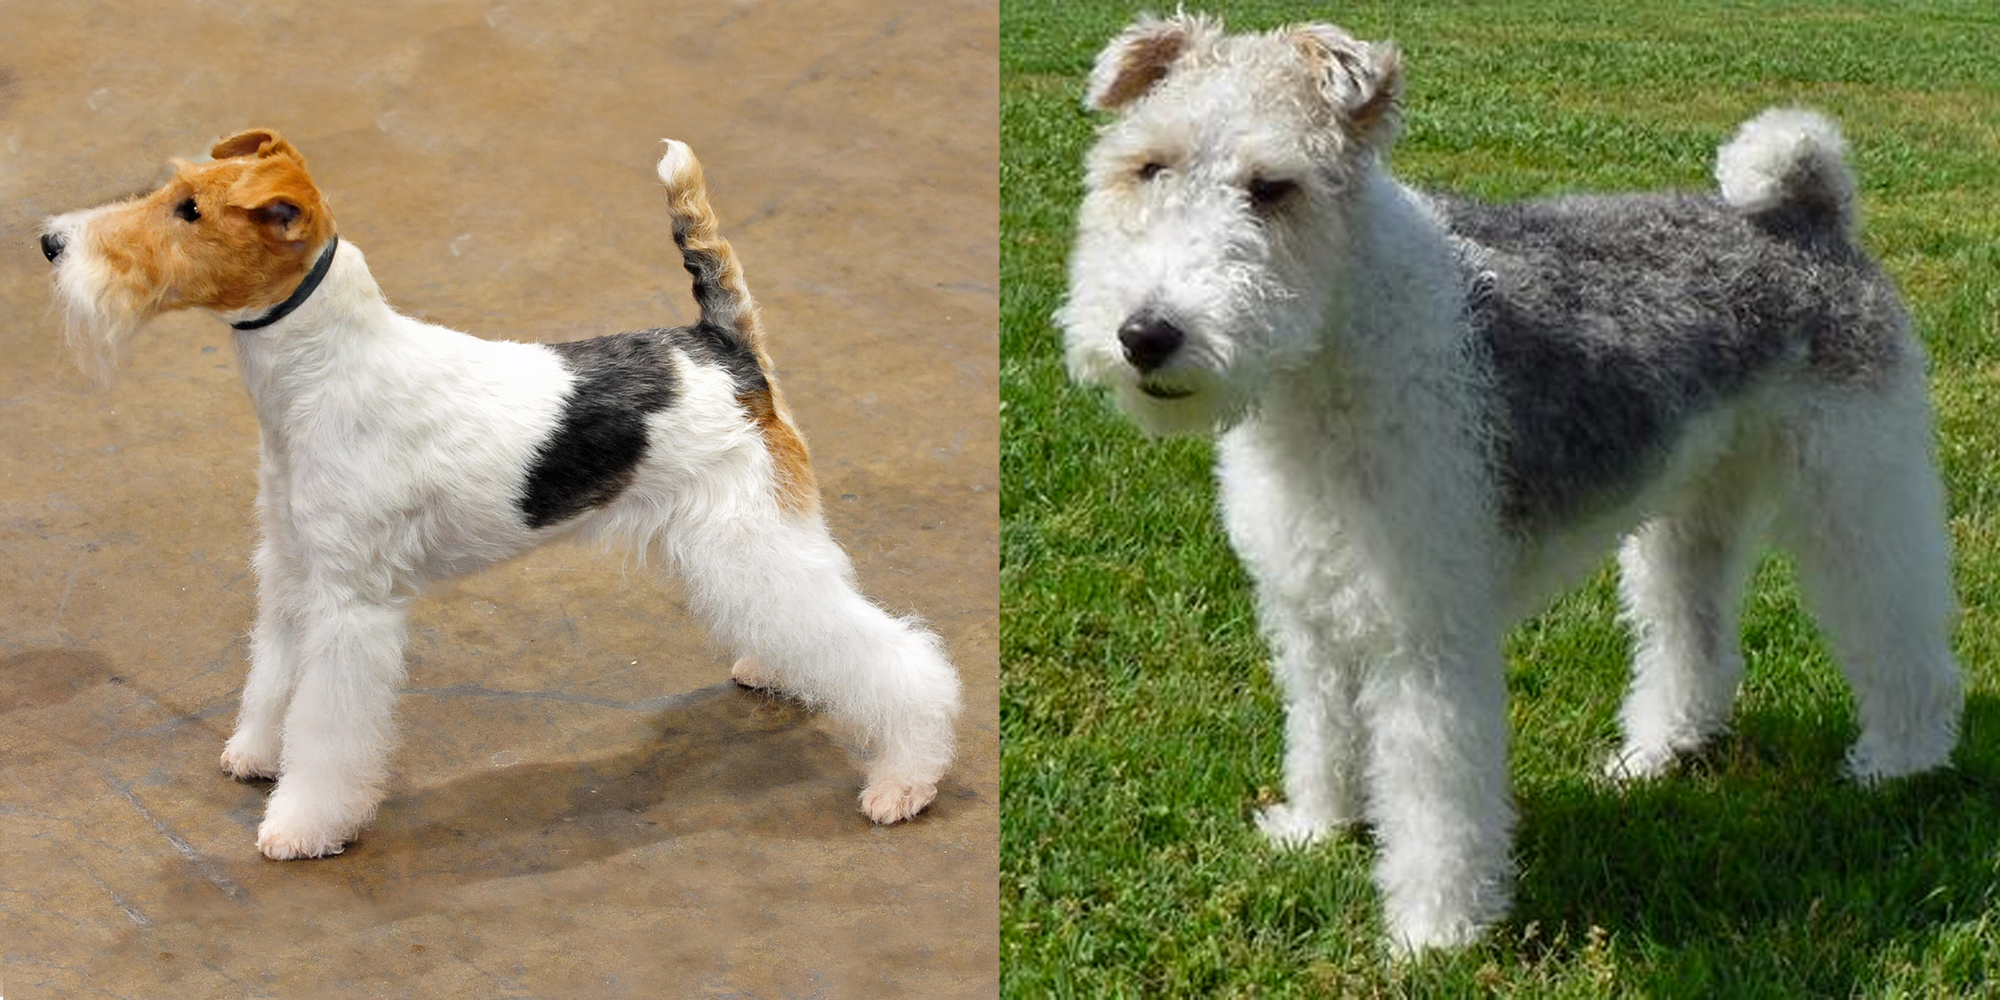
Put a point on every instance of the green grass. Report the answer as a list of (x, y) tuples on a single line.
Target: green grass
[(1140, 729)]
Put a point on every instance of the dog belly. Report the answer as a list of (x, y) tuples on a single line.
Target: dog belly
[(1557, 557)]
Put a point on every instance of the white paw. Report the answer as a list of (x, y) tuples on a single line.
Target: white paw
[(1870, 763), (1638, 763), (303, 825), (750, 673), (280, 842), (888, 801), (1448, 907), (1409, 939), (1288, 826), (245, 764)]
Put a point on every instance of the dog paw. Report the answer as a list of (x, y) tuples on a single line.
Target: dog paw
[(888, 802), (1639, 763), (1288, 826), (1411, 939), (246, 765), (1870, 764), (750, 673), (301, 826), (280, 844), (1431, 907)]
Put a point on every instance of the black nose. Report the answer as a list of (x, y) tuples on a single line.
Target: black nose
[(1149, 340), (52, 246)]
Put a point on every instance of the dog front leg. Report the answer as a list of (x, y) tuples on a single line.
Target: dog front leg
[(338, 728), (1323, 737), (1438, 793), (253, 752)]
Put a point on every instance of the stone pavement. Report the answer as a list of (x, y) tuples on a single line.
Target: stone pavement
[(582, 805)]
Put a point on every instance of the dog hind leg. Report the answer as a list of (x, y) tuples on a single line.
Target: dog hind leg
[(1682, 577), (1866, 528), (775, 586)]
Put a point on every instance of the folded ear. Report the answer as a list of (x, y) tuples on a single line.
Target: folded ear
[(257, 142), (281, 201), (283, 218), (1361, 82), (1140, 57)]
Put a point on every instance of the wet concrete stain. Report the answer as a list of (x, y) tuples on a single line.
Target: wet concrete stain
[(42, 677)]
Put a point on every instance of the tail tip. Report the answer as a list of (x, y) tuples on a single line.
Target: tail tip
[(677, 163), (1788, 158)]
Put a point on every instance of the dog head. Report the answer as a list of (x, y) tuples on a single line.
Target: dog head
[(234, 235), (1213, 214)]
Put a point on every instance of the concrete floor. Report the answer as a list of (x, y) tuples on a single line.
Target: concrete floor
[(582, 806)]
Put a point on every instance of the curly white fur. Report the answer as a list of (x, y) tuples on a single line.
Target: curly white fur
[(1245, 264), (1786, 155)]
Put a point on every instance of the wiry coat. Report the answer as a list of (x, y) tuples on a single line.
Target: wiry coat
[(1434, 413), (396, 452)]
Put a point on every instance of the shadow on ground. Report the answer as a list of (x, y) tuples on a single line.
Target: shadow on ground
[(1762, 838)]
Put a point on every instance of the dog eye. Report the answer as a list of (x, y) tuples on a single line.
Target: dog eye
[(1151, 170), (187, 211), (1266, 194)]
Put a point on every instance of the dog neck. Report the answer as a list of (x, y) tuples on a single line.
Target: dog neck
[(1393, 358), (1394, 314), (295, 353), (1405, 259), (307, 285)]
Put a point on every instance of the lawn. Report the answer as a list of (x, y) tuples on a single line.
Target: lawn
[(1140, 728)]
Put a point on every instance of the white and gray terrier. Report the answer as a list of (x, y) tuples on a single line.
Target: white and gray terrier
[(396, 452), (1434, 413)]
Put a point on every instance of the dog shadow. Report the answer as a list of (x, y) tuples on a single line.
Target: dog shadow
[(719, 758), (1756, 838)]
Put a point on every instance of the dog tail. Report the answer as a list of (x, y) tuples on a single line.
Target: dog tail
[(719, 288), (1786, 170), (729, 319)]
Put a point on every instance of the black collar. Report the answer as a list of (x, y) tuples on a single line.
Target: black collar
[(300, 294)]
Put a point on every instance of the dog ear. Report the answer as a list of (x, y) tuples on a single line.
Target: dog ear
[(257, 142), (281, 201), (282, 218), (1139, 58), (1360, 81)]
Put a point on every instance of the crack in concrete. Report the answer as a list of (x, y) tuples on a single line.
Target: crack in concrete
[(138, 916), (69, 585), (195, 859), (644, 705)]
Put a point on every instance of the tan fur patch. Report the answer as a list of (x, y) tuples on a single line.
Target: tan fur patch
[(260, 220), (1145, 62), (798, 490), (1361, 81), (700, 237), (1141, 57)]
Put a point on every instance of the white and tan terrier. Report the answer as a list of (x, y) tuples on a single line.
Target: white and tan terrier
[(396, 452)]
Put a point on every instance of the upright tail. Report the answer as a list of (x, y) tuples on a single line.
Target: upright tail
[(1786, 170), (729, 319), (719, 288)]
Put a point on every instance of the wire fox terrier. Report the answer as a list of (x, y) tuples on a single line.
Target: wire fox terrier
[(395, 452), (1434, 413)]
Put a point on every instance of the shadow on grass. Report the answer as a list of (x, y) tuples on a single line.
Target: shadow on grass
[(1759, 863)]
